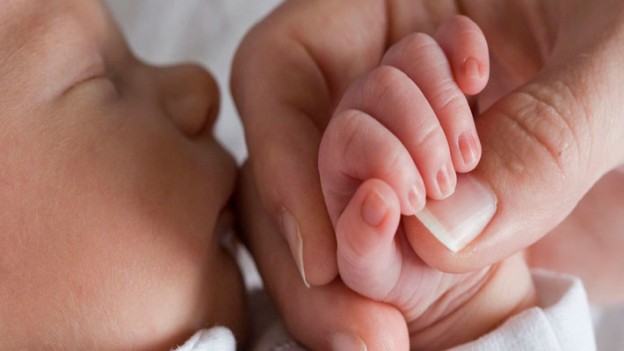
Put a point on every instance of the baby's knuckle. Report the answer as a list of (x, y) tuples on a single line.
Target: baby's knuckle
[(380, 82), (448, 99), (429, 136), (395, 162), (349, 127), (412, 46), (417, 42)]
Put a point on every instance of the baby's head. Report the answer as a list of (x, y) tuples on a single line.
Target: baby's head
[(112, 189)]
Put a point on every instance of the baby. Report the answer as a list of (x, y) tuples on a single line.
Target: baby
[(114, 192), (399, 135)]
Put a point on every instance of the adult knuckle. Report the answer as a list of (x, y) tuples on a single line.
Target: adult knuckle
[(544, 118)]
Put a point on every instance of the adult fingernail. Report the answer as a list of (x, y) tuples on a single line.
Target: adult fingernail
[(290, 229), (471, 68), (444, 181), (347, 341), (468, 147), (374, 209), (458, 219)]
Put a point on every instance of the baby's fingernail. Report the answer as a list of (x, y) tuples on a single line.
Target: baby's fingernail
[(374, 209), (468, 147), (416, 199), (471, 68), (347, 341), (444, 181), (290, 229), (457, 220)]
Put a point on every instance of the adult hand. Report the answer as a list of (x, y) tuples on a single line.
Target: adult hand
[(589, 242), (551, 129)]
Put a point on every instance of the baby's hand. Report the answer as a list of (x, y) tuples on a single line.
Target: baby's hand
[(406, 123)]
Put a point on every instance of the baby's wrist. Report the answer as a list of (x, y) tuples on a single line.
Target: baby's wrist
[(507, 290)]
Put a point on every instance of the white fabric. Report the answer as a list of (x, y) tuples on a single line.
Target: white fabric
[(215, 339)]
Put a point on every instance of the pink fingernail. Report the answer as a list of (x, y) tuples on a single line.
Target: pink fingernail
[(460, 218), (471, 68), (468, 147), (374, 209), (444, 181)]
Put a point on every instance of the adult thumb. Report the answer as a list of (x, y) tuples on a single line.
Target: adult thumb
[(544, 146)]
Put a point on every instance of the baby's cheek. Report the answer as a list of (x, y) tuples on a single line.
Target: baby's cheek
[(146, 292)]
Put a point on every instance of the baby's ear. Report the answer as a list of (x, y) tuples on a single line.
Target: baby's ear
[(466, 49)]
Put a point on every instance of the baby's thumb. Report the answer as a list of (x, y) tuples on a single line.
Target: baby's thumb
[(539, 159), (369, 259)]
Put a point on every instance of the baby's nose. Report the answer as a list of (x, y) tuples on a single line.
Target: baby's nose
[(191, 98)]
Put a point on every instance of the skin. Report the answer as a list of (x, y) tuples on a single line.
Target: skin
[(114, 191), (549, 129), (375, 259), (424, 317), (407, 121), (371, 146)]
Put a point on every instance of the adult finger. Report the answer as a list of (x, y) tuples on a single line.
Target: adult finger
[(286, 77), (545, 145)]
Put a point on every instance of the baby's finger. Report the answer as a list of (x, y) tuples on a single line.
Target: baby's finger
[(465, 47), (330, 317), (356, 147), (422, 59), (369, 257), (392, 98)]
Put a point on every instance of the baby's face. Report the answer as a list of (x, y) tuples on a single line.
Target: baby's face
[(112, 189)]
